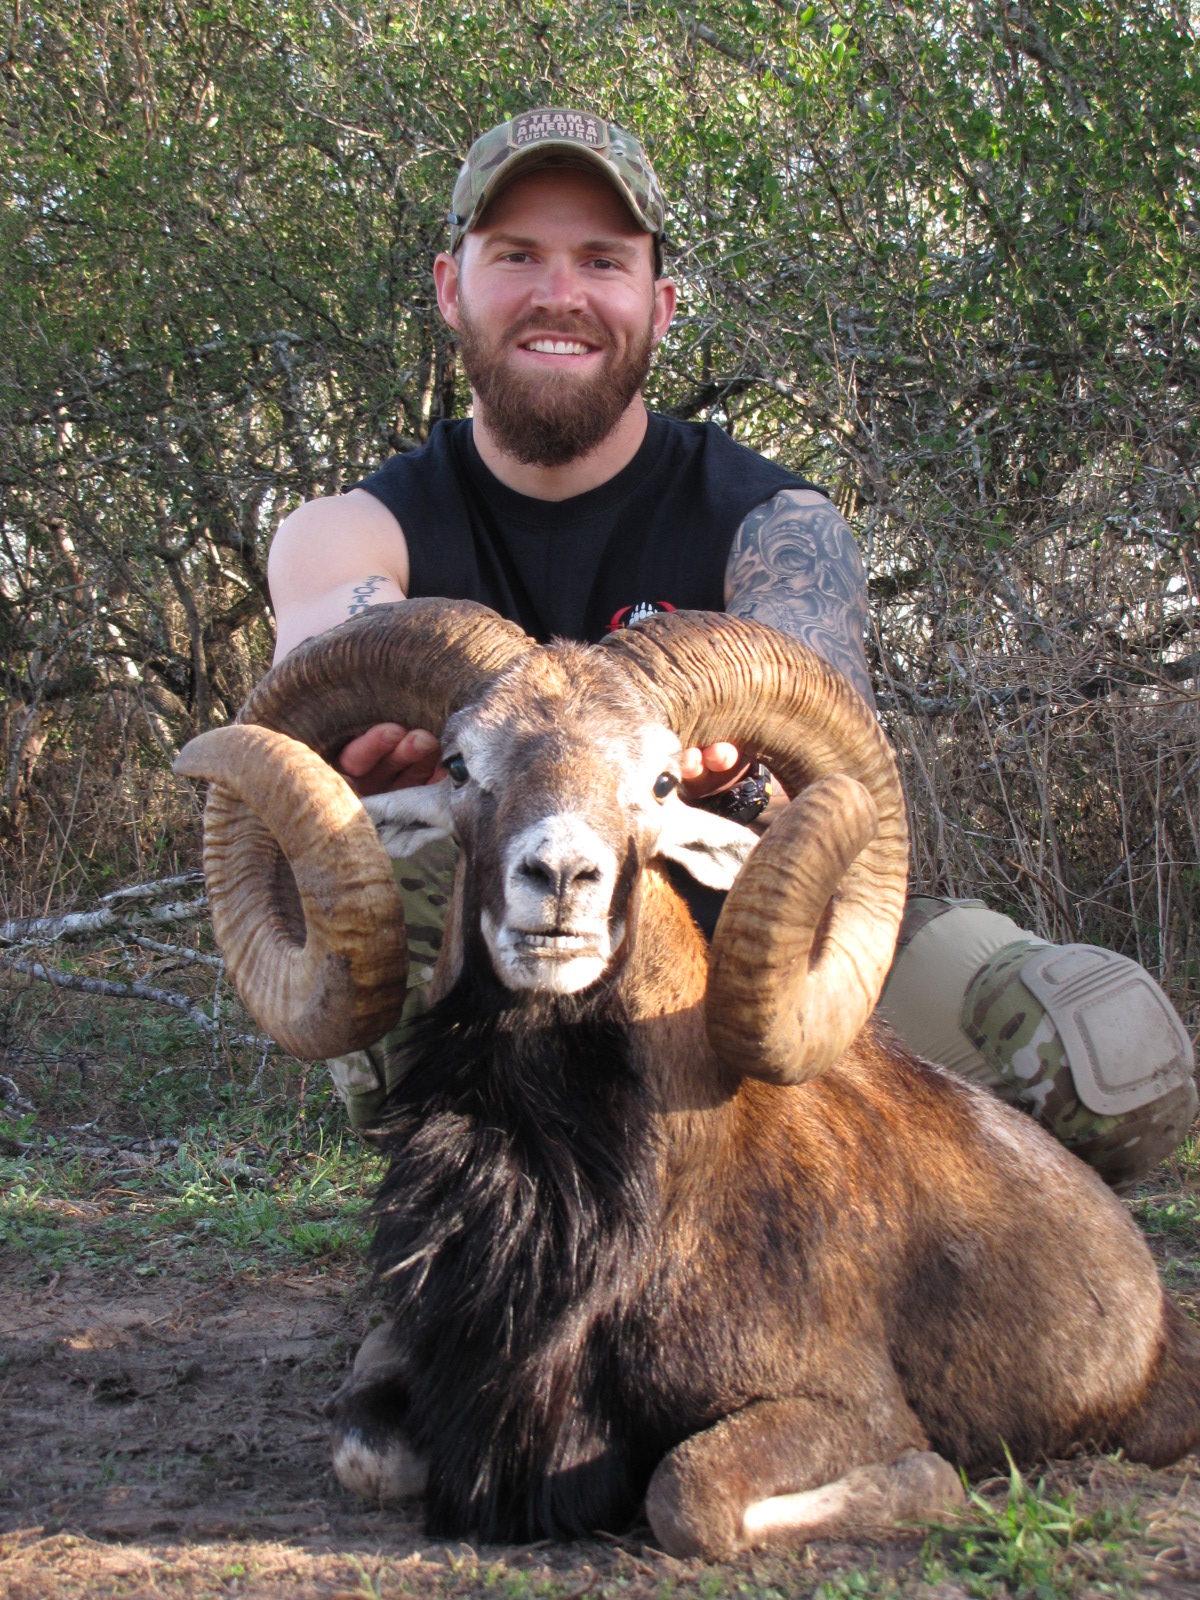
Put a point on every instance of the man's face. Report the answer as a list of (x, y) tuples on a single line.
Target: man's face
[(556, 306)]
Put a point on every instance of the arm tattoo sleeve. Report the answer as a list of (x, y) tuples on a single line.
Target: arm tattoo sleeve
[(795, 566), (360, 597)]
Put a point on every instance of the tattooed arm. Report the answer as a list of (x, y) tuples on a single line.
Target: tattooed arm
[(794, 565), (330, 560)]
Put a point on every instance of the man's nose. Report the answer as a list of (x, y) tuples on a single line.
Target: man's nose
[(559, 288)]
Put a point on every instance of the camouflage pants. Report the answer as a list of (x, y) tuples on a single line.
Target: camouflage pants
[(958, 993), (425, 881), (1100, 1060)]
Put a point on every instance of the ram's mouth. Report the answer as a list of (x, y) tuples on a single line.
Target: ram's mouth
[(549, 960), (555, 943)]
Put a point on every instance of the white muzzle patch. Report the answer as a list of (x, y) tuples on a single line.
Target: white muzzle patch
[(555, 935)]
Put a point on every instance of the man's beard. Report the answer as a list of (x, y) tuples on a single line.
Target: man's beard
[(546, 421)]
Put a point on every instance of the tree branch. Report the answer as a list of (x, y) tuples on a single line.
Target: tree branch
[(123, 910), (125, 991)]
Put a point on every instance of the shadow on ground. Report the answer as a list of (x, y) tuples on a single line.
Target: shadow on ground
[(168, 1438)]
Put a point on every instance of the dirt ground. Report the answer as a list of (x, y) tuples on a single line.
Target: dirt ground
[(165, 1439), (161, 1439)]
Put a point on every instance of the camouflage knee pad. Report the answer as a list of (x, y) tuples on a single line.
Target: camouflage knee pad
[(426, 882), (1083, 1039), (1087, 1041)]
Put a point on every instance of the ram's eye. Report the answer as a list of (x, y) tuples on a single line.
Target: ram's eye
[(456, 767), (666, 783)]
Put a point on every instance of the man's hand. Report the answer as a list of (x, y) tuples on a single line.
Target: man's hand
[(390, 757), (709, 770), (718, 767)]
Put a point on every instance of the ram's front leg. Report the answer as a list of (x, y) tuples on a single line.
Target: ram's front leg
[(786, 1471)]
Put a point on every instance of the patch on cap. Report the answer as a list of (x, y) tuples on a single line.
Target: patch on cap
[(531, 126)]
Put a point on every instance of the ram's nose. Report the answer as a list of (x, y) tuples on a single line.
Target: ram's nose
[(558, 872), (560, 869)]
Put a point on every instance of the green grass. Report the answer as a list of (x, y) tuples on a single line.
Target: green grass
[(1034, 1545), (1171, 1216), (151, 1151), (866, 1584), (203, 1199)]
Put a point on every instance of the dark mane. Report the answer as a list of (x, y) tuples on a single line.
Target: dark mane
[(517, 1211)]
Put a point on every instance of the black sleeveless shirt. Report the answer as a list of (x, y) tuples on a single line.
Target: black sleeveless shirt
[(658, 533)]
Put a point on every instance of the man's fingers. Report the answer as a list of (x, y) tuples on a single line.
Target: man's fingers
[(364, 753), (709, 770), (722, 757), (416, 747), (691, 763), (428, 769), (388, 756)]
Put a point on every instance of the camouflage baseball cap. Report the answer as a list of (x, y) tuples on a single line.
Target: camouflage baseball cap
[(551, 136)]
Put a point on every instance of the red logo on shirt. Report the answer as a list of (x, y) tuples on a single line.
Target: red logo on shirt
[(630, 616)]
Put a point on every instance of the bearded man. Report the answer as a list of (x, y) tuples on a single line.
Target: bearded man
[(569, 508)]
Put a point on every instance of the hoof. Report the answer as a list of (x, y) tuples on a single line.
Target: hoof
[(868, 1499), (386, 1470), (371, 1453), (690, 1513)]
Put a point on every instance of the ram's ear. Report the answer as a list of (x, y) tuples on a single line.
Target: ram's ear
[(406, 819), (709, 848)]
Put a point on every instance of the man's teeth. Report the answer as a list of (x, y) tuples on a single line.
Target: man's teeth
[(557, 347)]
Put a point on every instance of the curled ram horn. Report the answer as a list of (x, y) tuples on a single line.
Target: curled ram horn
[(806, 937), (301, 891)]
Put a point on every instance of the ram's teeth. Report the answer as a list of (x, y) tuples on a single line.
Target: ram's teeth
[(556, 941)]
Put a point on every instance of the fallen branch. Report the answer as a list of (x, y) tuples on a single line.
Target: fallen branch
[(111, 918), (176, 950), (155, 889), (126, 991)]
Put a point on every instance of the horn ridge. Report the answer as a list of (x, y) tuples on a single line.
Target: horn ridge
[(301, 892), (411, 662)]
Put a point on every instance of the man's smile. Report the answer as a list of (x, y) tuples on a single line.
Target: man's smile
[(545, 345)]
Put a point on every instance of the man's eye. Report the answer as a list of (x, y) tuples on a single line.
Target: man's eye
[(456, 769), (666, 783)]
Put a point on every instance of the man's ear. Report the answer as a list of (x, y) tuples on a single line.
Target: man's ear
[(406, 819), (709, 848), (664, 308), (445, 281)]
